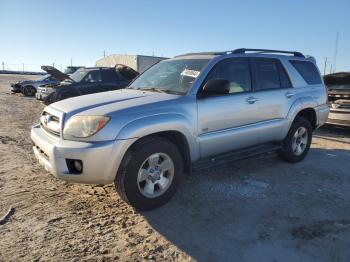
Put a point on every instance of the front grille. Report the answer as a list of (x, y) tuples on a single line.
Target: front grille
[(50, 123)]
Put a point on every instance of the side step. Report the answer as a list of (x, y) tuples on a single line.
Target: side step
[(234, 156)]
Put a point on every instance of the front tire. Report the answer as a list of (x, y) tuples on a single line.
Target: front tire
[(297, 143), (150, 173), (29, 91)]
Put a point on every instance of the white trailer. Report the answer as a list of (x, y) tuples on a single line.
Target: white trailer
[(139, 63)]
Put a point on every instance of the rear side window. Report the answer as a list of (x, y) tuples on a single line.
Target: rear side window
[(109, 76), (128, 74), (308, 71), (266, 74)]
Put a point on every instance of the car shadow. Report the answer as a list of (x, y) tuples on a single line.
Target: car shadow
[(245, 211)]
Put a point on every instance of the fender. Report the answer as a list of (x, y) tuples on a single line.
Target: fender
[(298, 105), (149, 125)]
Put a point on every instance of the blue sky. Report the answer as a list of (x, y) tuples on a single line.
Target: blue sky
[(42, 32)]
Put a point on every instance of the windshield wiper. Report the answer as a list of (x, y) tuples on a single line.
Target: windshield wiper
[(160, 90)]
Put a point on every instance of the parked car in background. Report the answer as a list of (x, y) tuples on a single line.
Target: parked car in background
[(338, 85), (191, 112), (87, 81), (44, 90), (29, 87)]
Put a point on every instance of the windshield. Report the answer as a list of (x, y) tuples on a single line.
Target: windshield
[(78, 75), (170, 76), (43, 77)]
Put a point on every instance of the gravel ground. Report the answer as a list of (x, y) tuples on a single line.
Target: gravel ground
[(260, 209)]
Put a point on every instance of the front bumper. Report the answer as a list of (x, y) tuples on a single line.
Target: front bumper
[(101, 160), (41, 96), (16, 88)]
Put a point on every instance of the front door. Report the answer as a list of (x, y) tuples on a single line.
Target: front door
[(228, 122)]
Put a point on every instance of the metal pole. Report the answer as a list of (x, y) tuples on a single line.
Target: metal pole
[(23, 67), (3, 66), (53, 64), (325, 65), (104, 53), (71, 62), (335, 52)]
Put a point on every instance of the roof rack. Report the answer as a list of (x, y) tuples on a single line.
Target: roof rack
[(203, 53), (244, 50)]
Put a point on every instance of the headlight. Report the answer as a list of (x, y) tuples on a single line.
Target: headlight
[(84, 126)]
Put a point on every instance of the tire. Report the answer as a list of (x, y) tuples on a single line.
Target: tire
[(134, 190), (29, 91), (290, 151)]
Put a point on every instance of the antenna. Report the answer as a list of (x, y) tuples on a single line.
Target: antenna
[(325, 65), (335, 53)]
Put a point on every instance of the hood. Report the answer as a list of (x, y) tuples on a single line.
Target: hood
[(55, 73), (109, 102)]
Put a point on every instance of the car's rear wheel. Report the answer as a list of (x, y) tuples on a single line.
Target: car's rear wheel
[(297, 143), (29, 91), (150, 173)]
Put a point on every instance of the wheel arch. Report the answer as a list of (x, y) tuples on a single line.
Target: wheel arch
[(175, 128), (305, 108)]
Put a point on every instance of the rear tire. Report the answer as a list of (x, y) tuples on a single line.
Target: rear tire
[(29, 90), (150, 173), (297, 143)]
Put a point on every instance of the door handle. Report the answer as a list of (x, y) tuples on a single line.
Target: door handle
[(251, 100), (289, 94)]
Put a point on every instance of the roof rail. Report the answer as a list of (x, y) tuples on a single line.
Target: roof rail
[(244, 50), (203, 53)]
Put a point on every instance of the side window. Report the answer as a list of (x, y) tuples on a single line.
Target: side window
[(93, 76), (266, 74), (285, 81), (234, 70), (109, 76), (308, 71)]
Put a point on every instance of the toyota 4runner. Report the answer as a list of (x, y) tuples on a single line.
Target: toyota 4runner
[(187, 113)]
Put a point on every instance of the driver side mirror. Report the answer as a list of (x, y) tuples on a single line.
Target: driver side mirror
[(216, 87)]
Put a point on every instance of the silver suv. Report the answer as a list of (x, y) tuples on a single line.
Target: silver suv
[(187, 113)]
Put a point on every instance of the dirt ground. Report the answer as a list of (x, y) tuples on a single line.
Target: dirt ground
[(260, 209)]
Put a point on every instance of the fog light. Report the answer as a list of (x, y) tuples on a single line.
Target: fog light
[(75, 166), (78, 165)]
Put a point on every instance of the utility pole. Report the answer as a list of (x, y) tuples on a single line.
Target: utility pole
[(71, 62), (23, 67), (53, 64), (335, 53), (330, 70), (325, 65), (3, 66), (104, 53)]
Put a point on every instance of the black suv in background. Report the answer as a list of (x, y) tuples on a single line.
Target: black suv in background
[(91, 80)]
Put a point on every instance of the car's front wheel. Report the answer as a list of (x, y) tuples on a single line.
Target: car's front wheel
[(29, 91), (297, 143), (150, 173)]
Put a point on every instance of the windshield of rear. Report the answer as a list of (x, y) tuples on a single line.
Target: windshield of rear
[(78, 75), (174, 76)]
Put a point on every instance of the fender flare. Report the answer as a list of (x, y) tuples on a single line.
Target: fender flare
[(166, 122), (299, 105)]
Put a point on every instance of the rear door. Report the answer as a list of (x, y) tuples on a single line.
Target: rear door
[(110, 80), (226, 122), (274, 96)]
